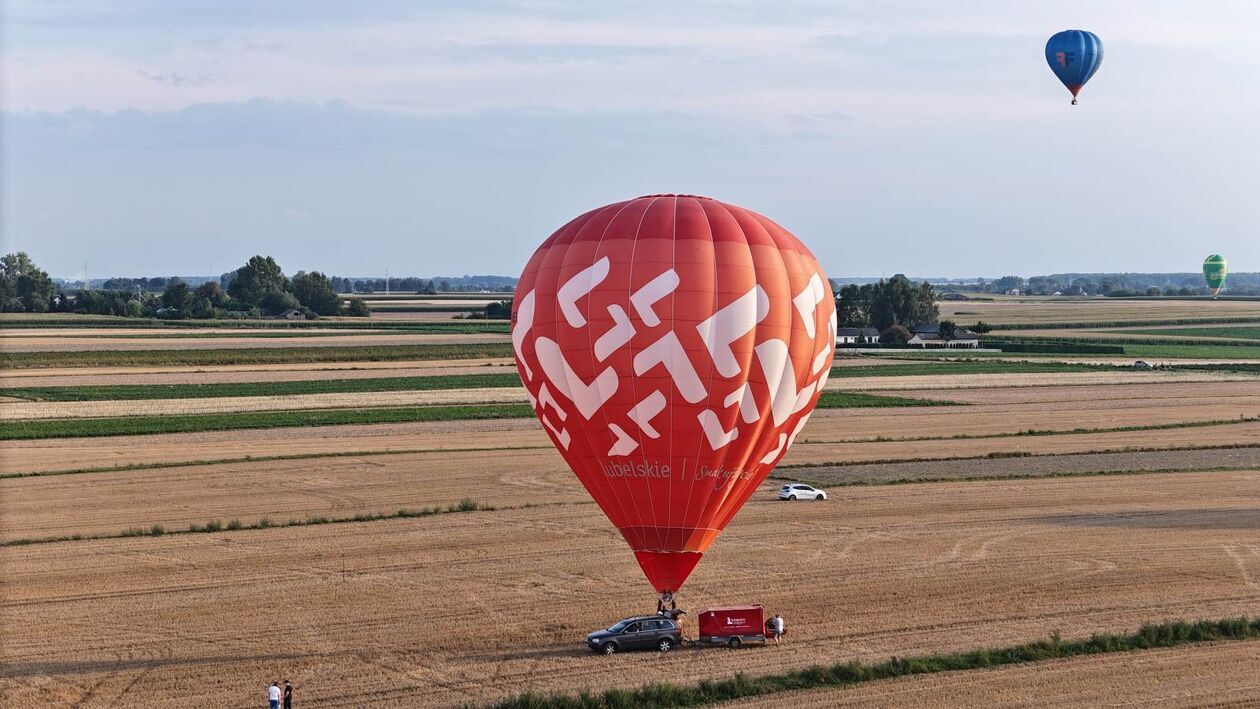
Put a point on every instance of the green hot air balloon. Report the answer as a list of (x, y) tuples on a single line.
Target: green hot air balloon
[(1214, 271)]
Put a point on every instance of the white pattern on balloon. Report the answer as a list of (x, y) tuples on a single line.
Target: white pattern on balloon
[(668, 351), (545, 399), (731, 323), (562, 435), (619, 334), (624, 445), (579, 285), (747, 403), (652, 291), (586, 397), (719, 333), (713, 430), (807, 301), (646, 410), (524, 321)]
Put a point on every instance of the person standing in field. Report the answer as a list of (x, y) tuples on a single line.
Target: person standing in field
[(776, 626), (288, 695), (273, 695)]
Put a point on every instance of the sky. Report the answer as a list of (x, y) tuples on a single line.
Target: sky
[(159, 137)]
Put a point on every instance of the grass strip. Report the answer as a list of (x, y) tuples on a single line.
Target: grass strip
[(835, 399), (1087, 325), (1242, 333), (26, 429), (133, 392), (845, 674), (254, 355), (1005, 477), (190, 423), (12, 322), (1018, 454), (216, 525)]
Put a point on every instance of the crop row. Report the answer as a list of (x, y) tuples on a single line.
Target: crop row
[(258, 355), (189, 423)]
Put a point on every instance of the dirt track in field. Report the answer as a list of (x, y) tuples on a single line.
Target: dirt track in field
[(1212, 675), (389, 612)]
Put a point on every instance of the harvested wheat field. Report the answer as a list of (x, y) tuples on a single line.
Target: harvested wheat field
[(364, 612), (834, 435), (1002, 310), (1215, 675)]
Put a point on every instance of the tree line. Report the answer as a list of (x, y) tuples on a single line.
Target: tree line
[(256, 289), (1115, 284)]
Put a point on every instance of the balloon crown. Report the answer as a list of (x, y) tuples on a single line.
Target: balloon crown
[(688, 196)]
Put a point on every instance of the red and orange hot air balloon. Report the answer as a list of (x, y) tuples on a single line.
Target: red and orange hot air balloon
[(673, 348)]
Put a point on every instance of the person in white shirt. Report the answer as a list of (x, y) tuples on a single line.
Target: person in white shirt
[(273, 695), (776, 624)]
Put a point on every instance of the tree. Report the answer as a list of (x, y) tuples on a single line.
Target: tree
[(177, 296), (277, 301), (259, 277), (981, 328), (853, 305), (358, 308), (501, 310), (24, 287), (315, 291), (1006, 283), (895, 335), (948, 330), (211, 292)]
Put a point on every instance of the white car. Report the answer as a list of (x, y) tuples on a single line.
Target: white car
[(798, 491)]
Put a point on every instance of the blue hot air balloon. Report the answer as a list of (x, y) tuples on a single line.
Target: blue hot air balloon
[(1074, 56)]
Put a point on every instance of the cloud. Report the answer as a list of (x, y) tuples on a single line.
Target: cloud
[(174, 79), (450, 58)]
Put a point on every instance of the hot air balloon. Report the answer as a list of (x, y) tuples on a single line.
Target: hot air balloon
[(1074, 56), (673, 347), (1214, 271)]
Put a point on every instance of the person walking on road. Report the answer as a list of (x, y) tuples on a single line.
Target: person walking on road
[(273, 695)]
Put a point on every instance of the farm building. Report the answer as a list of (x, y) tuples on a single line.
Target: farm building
[(856, 335), (929, 335)]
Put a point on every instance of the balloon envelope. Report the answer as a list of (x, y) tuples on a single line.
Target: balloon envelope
[(673, 347), (1214, 272), (1074, 56)]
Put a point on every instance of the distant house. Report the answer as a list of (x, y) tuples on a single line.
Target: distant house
[(290, 314), (856, 335), (1013, 291), (929, 335)]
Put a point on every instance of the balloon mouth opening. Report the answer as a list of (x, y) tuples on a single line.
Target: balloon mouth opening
[(667, 570)]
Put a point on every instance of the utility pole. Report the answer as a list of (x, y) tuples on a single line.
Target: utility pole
[(387, 281)]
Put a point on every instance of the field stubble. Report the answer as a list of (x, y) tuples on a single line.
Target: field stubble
[(392, 612)]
